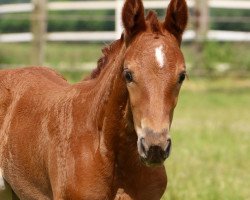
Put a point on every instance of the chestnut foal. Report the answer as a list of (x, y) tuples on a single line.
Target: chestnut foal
[(107, 136)]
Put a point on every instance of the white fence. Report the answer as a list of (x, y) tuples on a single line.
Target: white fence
[(117, 6), (100, 5), (108, 36)]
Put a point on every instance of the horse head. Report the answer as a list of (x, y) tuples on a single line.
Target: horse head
[(154, 70)]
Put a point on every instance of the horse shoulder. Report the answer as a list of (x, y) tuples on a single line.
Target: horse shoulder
[(25, 97), (84, 170)]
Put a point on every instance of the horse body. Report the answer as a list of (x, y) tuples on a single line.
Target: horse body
[(99, 138), (38, 127)]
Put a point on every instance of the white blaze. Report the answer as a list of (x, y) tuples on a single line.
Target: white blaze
[(160, 56)]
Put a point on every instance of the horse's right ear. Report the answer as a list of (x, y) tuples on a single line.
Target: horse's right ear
[(133, 18)]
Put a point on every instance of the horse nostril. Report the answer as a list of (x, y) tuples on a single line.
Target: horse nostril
[(168, 149), (143, 148), (154, 154)]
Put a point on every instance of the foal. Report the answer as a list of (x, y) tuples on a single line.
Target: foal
[(107, 136)]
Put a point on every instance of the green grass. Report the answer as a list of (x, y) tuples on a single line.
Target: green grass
[(58, 55), (216, 59), (211, 142), (72, 60)]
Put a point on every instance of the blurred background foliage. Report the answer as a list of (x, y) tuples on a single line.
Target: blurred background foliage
[(61, 21)]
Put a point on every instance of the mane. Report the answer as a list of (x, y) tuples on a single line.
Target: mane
[(108, 53), (153, 22)]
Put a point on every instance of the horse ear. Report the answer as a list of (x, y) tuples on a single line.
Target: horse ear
[(133, 18), (176, 18)]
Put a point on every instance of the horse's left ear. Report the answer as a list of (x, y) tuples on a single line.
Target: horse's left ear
[(133, 18), (176, 18)]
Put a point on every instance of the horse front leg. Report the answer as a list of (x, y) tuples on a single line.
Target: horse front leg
[(122, 195)]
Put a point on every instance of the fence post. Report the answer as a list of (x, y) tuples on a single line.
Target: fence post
[(118, 20), (39, 29), (202, 19), (201, 27)]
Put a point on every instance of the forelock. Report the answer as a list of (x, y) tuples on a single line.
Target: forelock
[(153, 22)]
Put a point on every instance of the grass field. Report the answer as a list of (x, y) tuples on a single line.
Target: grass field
[(211, 142), (216, 59)]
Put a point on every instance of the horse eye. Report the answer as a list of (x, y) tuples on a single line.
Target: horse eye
[(128, 76), (182, 77)]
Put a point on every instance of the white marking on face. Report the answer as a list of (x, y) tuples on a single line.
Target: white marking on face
[(141, 135), (139, 132), (160, 56), (2, 185)]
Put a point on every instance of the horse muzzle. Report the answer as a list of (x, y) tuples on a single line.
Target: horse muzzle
[(153, 155)]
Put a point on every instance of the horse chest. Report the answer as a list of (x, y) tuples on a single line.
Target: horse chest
[(140, 183)]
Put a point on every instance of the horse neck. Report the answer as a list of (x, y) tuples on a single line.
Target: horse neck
[(110, 89), (118, 133), (110, 114), (107, 97)]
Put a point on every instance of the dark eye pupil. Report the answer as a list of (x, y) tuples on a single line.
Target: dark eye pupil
[(182, 78), (128, 76)]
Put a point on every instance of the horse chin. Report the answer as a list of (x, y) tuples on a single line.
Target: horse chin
[(149, 163)]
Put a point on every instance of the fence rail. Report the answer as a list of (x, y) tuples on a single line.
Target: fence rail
[(233, 36), (100, 5), (116, 5)]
